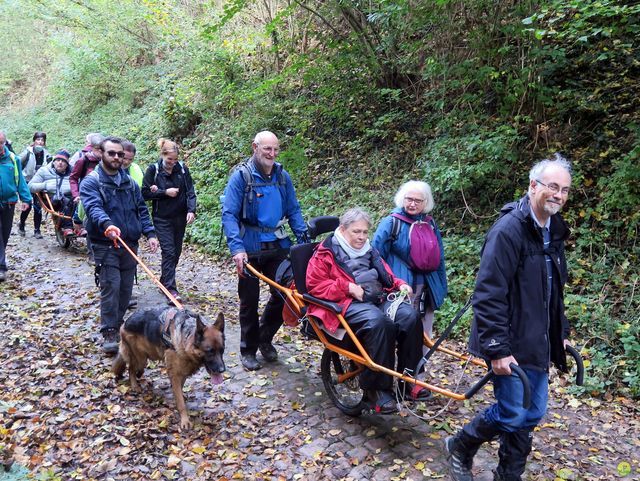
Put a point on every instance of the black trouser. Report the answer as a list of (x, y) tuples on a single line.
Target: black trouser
[(117, 271), (252, 331), (6, 221), (37, 215), (170, 234), (378, 335)]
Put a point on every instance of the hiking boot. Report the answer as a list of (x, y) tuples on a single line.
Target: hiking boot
[(460, 463), (21, 231), (133, 303), (268, 352), (110, 341), (3, 276), (250, 362), (37, 234)]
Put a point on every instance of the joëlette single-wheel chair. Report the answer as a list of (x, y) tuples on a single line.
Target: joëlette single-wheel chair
[(64, 240), (343, 360)]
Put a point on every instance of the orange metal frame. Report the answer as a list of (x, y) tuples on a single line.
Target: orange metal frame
[(48, 206), (361, 357)]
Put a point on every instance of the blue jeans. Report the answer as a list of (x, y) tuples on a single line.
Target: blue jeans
[(507, 413)]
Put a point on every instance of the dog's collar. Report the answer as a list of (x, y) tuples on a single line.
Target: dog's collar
[(169, 317)]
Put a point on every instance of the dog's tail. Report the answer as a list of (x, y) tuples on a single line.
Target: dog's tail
[(118, 366)]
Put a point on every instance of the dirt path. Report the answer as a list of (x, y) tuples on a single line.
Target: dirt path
[(62, 415)]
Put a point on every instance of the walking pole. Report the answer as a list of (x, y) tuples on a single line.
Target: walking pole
[(150, 274)]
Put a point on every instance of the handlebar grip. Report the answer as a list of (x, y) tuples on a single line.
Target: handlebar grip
[(526, 387), (526, 391), (477, 386), (579, 364)]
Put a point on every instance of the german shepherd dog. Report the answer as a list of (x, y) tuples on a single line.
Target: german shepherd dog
[(185, 340)]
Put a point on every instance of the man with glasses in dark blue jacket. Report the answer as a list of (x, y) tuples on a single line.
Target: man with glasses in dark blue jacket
[(115, 208), (519, 318)]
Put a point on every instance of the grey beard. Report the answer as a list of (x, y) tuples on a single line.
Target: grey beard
[(551, 208)]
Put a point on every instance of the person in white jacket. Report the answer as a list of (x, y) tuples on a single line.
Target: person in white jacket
[(33, 157), (53, 178)]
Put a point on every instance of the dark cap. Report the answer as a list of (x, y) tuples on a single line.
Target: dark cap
[(62, 154)]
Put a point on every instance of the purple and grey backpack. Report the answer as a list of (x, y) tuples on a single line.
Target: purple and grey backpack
[(424, 250)]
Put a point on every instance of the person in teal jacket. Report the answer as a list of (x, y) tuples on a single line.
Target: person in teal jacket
[(413, 200), (13, 187)]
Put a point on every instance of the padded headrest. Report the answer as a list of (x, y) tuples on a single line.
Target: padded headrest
[(322, 225)]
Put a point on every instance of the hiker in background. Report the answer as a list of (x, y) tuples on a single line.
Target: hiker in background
[(168, 184), (53, 178), (12, 187), (130, 167), (421, 262), (259, 199), (33, 157), (92, 141), (89, 158), (133, 169)]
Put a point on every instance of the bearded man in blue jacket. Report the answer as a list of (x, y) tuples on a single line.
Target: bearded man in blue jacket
[(259, 200), (519, 318), (115, 208)]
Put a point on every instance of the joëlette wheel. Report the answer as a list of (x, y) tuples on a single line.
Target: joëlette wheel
[(346, 395)]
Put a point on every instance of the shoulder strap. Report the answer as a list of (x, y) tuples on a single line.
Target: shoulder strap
[(16, 174), (395, 229), (155, 165), (396, 225), (245, 170)]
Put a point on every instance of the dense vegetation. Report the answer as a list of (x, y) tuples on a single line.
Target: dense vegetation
[(364, 95)]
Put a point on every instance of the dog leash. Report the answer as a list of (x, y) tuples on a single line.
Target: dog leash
[(150, 274)]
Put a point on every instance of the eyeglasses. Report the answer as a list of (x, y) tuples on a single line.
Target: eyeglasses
[(411, 200), (555, 188), (113, 153)]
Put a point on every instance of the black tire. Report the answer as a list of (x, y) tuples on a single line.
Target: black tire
[(63, 241), (347, 396)]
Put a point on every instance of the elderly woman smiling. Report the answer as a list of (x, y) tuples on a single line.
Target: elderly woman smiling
[(414, 202), (345, 269)]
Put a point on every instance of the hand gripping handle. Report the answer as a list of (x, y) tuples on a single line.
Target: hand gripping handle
[(579, 364), (526, 391)]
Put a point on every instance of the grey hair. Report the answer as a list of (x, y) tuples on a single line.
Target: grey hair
[(538, 169), (353, 215), (95, 139), (415, 186)]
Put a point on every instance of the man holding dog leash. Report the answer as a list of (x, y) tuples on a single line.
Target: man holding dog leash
[(258, 201), (518, 318), (115, 208)]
